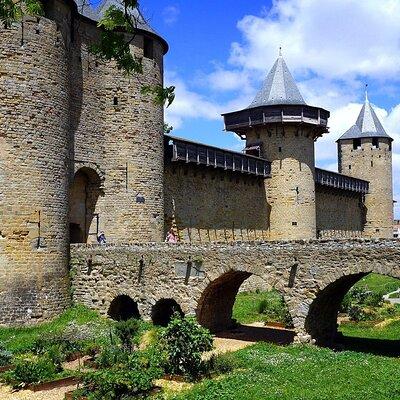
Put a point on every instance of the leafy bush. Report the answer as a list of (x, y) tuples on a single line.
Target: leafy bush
[(5, 356), (127, 332), (135, 378), (183, 342), (35, 370)]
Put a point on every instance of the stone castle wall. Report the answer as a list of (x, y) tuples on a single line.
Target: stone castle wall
[(374, 165), (339, 210), (216, 202)]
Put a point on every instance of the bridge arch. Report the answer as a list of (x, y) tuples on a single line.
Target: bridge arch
[(321, 320), (123, 307), (163, 310), (214, 310)]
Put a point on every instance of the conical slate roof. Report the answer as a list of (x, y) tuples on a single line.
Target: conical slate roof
[(279, 88), (367, 125)]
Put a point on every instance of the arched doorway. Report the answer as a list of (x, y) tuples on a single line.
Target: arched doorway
[(123, 308), (163, 310), (84, 193), (358, 312)]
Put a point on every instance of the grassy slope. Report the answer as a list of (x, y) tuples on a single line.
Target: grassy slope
[(379, 283), (372, 330), (303, 373), (19, 340)]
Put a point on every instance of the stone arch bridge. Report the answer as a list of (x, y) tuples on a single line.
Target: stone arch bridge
[(313, 276)]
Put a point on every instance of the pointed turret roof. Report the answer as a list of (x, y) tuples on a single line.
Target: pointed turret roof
[(279, 87), (367, 124)]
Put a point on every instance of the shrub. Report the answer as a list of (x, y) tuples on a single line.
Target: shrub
[(222, 363), (127, 332), (110, 356), (135, 378), (35, 370), (183, 342), (5, 356)]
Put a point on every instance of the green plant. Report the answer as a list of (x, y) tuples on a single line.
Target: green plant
[(36, 370), (127, 332), (183, 342), (134, 378), (5, 356), (110, 356)]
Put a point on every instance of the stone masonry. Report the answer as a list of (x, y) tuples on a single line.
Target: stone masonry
[(313, 276)]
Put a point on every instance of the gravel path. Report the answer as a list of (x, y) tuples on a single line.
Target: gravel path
[(54, 394)]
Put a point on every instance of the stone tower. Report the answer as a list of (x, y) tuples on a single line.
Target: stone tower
[(365, 151), (280, 127), (80, 146)]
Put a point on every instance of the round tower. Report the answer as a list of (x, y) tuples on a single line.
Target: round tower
[(34, 150), (280, 127), (365, 151), (119, 128)]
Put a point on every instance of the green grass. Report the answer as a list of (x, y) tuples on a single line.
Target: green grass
[(369, 330), (302, 373), (20, 340), (246, 307), (378, 283)]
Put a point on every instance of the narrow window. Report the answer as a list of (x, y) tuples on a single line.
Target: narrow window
[(349, 166), (294, 223), (148, 48), (115, 101), (372, 163), (280, 149), (375, 143), (356, 144), (390, 146)]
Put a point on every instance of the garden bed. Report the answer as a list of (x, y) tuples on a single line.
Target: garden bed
[(54, 384)]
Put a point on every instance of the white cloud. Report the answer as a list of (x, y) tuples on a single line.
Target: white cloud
[(334, 38), (188, 104), (170, 14)]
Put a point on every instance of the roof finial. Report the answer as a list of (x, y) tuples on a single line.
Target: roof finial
[(280, 51), (366, 93)]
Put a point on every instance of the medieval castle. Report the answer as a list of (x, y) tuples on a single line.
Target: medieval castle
[(83, 151)]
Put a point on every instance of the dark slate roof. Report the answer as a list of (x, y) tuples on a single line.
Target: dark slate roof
[(95, 14), (279, 88), (367, 125)]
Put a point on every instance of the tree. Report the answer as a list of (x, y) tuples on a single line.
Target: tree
[(119, 26)]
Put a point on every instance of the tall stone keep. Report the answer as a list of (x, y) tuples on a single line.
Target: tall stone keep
[(365, 151), (34, 148), (280, 127)]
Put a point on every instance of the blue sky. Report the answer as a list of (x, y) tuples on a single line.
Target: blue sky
[(221, 50)]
